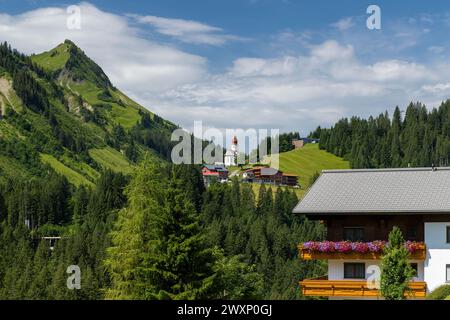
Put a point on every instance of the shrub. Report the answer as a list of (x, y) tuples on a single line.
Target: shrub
[(440, 293)]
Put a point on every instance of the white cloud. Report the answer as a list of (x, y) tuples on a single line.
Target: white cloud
[(344, 24), (292, 90), (187, 30), (300, 92), (132, 63), (437, 88)]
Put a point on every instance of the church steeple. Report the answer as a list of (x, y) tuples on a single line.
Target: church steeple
[(232, 153), (234, 144)]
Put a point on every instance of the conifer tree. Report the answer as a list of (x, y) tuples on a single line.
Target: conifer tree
[(396, 271), (159, 250)]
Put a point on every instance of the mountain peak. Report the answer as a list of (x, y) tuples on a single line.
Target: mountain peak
[(69, 42), (69, 62)]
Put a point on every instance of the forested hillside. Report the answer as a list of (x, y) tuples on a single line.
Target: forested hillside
[(420, 138), (82, 162), (59, 110), (165, 237)]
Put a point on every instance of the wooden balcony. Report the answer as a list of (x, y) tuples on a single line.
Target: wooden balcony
[(322, 287), (307, 255)]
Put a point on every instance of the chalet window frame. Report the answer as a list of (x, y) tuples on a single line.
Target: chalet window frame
[(412, 232), (353, 228), (447, 273), (415, 267), (355, 275), (448, 235)]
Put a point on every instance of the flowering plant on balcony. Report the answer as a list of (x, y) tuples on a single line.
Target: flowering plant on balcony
[(376, 246), (326, 246), (343, 246), (360, 247), (413, 246)]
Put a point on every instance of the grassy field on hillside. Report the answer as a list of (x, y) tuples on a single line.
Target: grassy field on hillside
[(71, 175), (305, 162), (111, 159), (127, 116), (53, 59)]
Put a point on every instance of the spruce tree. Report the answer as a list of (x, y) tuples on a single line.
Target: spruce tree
[(159, 248), (396, 271)]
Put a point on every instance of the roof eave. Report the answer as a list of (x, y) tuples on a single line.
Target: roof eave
[(369, 212)]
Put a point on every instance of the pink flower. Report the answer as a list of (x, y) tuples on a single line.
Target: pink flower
[(376, 246), (311, 246), (343, 247), (413, 246), (360, 247), (326, 247)]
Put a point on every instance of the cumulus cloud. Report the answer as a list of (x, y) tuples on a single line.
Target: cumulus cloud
[(296, 91), (436, 88), (132, 63), (187, 30), (300, 92)]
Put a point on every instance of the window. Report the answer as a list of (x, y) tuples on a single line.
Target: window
[(448, 234), (354, 271), (447, 270), (353, 234), (415, 268), (411, 233)]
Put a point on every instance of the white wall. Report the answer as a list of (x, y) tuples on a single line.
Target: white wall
[(438, 254), (336, 268)]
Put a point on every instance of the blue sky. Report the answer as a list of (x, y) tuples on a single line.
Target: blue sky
[(282, 64)]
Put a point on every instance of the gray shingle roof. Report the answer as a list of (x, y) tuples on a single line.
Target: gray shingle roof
[(418, 190), (268, 171)]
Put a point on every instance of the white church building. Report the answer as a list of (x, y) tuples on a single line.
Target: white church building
[(231, 155)]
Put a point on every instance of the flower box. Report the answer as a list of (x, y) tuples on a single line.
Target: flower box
[(354, 250)]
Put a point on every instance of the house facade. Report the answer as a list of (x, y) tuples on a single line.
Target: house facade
[(214, 173), (359, 208), (267, 175), (300, 143)]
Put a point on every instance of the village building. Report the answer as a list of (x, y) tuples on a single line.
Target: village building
[(214, 173), (300, 143), (267, 175), (359, 208)]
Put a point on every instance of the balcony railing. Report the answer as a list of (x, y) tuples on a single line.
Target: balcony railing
[(327, 250), (322, 287)]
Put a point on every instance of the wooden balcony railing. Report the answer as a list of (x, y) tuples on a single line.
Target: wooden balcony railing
[(419, 254), (320, 287)]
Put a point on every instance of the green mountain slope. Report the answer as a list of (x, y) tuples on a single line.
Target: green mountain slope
[(59, 110), (306, 162)]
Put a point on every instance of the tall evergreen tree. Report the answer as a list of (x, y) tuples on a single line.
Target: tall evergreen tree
[(159, 248), (396, 271)]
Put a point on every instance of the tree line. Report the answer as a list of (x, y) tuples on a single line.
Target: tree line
[(420, 138), (158, 234)]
